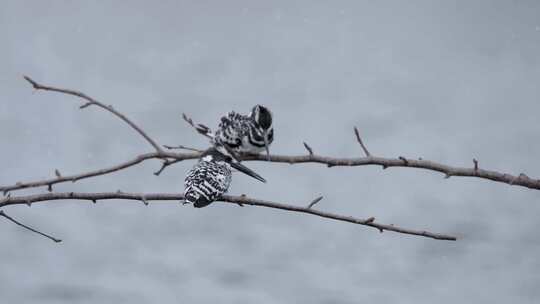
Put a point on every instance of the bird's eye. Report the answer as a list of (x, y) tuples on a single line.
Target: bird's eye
[(228, 159)]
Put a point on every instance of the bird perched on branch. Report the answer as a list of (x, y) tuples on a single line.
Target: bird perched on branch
[(244, 134), (211, 177), (251, 133)]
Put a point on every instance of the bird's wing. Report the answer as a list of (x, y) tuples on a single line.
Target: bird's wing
[(231, 130)]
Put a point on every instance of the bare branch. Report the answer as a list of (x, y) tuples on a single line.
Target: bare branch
[(360, 142), (506, 178), (244, 200), (91, 101), (2, 213), (448, 171), (521, 180), (76, 177)]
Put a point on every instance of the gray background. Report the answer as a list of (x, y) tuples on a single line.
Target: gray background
[(442, 80)]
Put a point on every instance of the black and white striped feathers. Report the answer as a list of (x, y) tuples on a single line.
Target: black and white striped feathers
[(251, 133), (208, 179), (211, 177)]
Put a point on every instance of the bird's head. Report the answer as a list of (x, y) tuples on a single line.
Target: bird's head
[(262, 118)]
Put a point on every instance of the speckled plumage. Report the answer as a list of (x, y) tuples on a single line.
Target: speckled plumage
[(245, 133), (207, 181)]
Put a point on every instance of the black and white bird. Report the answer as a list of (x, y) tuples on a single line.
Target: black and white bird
[(246, 134), (211, 177)]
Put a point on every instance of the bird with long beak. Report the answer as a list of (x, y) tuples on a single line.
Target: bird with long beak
[(246, 134), (211, 177)]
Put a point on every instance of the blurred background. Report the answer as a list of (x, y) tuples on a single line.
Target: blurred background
[(447, 81)]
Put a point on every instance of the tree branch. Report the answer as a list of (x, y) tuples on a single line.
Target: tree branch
[(170, 158), (76, 177), (520, 180), (91, 101), (243, 200), (2, 213)]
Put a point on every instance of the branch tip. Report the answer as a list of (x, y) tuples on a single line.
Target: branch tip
[(90, 100), (200, 128), (315, 201), (308, 148), (2, 213), (31, 81), (360, 142), (86, 105), (164, 165)]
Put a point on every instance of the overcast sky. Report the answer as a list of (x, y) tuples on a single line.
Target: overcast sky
[(447, 81)]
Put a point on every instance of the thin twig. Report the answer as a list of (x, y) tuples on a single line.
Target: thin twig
[(308, 148), (225, 198), (180, 147), (165, 164), (91, 101), (2, 213), (204, 130), (360, 142), (315, 201), (200, 128)]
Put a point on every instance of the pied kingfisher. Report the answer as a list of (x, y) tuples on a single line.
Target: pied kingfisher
[(249, 134), (211, 177)]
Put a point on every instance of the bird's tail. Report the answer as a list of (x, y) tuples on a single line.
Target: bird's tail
[(190, 197), (198, 200), (201, 203)]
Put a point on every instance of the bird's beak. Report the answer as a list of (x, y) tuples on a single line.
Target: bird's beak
[(247, 171), (266, 145)]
